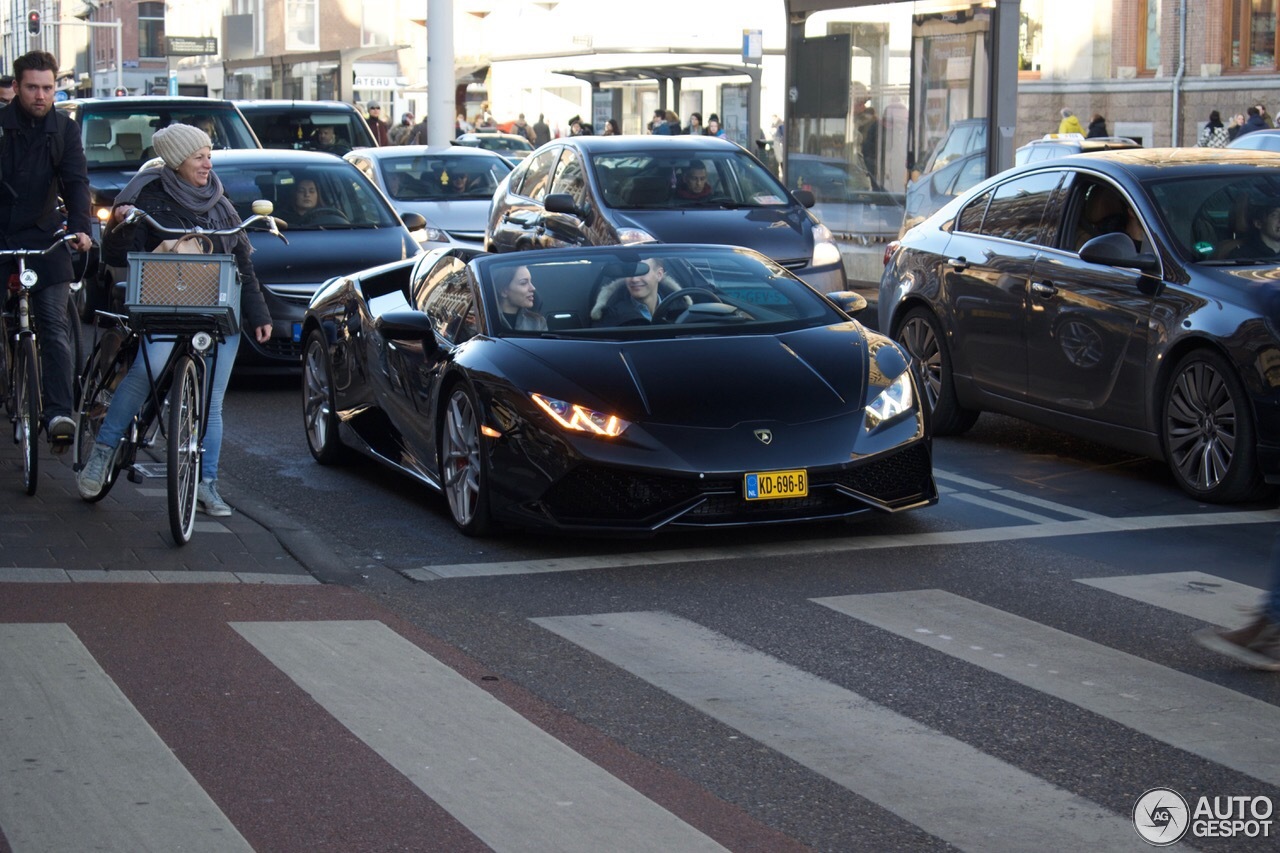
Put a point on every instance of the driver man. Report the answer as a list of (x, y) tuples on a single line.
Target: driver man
[(632, 300), (694, 185), (1264, 240)]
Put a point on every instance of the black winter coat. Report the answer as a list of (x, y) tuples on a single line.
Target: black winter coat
[(30, 186)]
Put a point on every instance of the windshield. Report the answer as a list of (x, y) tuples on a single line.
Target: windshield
[(714, 178), (121, 139), (329, 196), (442, 177), (1229, 217), (329, 130), (647, 291)]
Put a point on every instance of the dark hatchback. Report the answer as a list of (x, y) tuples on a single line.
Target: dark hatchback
[(603, 190), (285, 124), (1120, 296)]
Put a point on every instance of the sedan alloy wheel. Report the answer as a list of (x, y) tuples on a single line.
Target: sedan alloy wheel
[(922, 339)]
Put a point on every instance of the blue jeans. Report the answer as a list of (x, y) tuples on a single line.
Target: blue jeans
[(135, 389), (49, 304)]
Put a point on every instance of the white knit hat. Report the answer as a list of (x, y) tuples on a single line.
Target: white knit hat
[(176, 142)]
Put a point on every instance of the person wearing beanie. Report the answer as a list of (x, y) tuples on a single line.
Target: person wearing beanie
[(183, 194), (376, 124)]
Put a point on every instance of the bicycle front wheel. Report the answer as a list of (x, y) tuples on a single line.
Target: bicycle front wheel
[(185, 414), (26, 418)]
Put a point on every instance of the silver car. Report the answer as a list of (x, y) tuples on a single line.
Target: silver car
[(450, 186)]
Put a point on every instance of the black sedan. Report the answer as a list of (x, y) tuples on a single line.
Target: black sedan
[(599, 190), (1131, 297), (618, 388)]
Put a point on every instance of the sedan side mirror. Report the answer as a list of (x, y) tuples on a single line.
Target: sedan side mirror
[(413, 221), (805, 197), (1116, 250), (561, 203)]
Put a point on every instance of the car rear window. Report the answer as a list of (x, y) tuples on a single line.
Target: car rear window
[(120, 137), (297, 127)]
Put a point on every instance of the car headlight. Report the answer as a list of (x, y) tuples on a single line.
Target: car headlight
[(893, 402), (825, 250), (431, 234), (629, 236), (577, 418)]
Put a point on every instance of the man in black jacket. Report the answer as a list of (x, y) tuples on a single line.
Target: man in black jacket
[(42, 159)]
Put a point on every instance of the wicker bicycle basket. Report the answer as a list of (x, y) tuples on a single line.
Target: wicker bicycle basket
[(171, 292)]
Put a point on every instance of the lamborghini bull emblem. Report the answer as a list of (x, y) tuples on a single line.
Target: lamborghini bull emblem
[(765, 436)]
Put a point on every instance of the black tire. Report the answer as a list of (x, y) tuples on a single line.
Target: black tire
[(1206, 424), (922, 338), (319, 402), (464, 468), (186, 404), (5, 354), (107, 365), (26, 424)]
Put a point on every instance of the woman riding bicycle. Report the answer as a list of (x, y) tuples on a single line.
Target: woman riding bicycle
[(184, 194)]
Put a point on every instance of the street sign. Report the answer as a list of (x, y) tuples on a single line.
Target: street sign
[(752, 46), (190, 45)]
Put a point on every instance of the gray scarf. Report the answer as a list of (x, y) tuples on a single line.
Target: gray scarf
[(207, 203)]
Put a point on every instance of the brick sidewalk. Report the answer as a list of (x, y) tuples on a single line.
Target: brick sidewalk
[(127, 533)]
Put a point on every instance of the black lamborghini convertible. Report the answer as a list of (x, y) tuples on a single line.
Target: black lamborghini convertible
[(615, 388)]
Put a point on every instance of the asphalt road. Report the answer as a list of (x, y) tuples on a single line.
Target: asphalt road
[(1008, 670)]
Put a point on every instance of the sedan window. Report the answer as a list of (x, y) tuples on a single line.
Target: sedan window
[(536, 177), (639, 180), (1017, 209), (1218, 217)]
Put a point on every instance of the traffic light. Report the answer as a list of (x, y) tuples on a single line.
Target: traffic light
[(33, 22)]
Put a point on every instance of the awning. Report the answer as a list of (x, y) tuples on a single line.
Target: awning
[(671, 71)]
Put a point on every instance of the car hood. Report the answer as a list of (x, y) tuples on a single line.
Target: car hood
[(710, 383), (108, 182), (468, 215), (781, 233), (313, 257)]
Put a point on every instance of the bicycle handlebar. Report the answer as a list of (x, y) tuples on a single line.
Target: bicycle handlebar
[(138, 214), (63, 240)]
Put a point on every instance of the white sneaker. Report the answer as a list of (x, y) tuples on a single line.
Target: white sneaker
[(61, 429), (94, 473), (209, 501)]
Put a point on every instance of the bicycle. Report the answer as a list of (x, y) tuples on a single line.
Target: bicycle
[(202, 309), (20, 359)]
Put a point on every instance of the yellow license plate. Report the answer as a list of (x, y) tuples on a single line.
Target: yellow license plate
[(771, 485)]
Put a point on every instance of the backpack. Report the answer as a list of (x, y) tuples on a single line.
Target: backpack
[(1213, 137)]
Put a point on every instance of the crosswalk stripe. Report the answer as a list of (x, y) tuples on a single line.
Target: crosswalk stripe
[(1202, 718), (505, 779), (1017, 532), (82, 769), (1016, 512), (1201, 596), (873, 751)]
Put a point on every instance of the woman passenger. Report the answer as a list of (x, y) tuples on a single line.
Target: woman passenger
[(516, 295)]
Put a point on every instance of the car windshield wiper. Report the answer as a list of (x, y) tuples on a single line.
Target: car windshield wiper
[(1237, 262)]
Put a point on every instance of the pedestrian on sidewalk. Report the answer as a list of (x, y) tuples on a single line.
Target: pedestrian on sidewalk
[(1256, 644)]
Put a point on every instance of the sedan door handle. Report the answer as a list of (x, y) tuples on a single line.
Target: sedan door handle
[(958, 264), (1043, 289)]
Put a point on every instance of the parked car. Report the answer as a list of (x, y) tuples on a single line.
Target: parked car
[(352, 227), (563, 419), (297, 124), (1113, 295), (1257, 140), (450, 186), (846, 198), (117, 140), (1054, 145), (509, 146), (598, 190), (926, 196)]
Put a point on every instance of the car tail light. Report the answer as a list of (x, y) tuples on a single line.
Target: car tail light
[(889, 250)]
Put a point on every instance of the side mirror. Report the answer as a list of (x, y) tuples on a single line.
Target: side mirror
[(561, 203), (805, 197), (848, 301), (413, 221), (406, 325), (1116, 250)]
